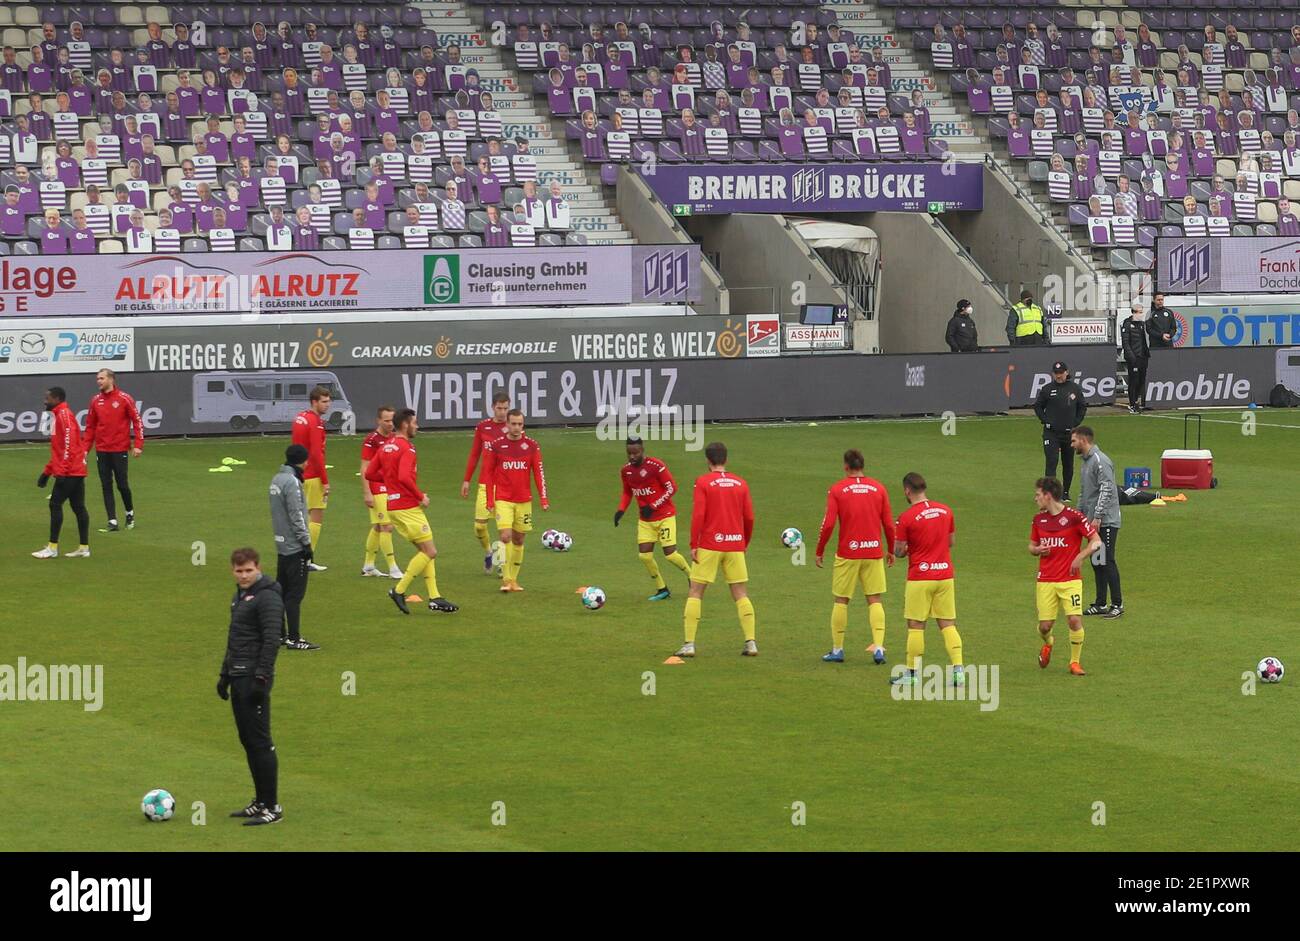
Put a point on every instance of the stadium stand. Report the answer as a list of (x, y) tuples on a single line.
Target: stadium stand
[(283, 126), (1152, 120)]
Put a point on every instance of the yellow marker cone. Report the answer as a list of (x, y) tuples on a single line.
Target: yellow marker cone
[(221, 470), (673, 660), (1156, 502)]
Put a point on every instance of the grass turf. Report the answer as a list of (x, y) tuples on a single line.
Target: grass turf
[(532, 701)]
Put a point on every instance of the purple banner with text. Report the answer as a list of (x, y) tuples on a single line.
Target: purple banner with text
[(704, 189)]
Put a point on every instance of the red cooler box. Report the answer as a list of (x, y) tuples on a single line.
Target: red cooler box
[(1185, 469), (1188, 468)]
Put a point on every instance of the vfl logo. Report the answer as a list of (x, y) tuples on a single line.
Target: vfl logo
[(809, 185), (1189, 264), (665, 274), (915, 377)]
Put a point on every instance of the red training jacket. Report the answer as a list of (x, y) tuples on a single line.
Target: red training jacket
[(67, 456), (113, 423)]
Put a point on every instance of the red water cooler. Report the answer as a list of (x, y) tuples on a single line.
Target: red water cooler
[(1188, 468)]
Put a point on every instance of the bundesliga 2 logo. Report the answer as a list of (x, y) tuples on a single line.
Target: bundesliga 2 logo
[(808, 185), (1189, 264)]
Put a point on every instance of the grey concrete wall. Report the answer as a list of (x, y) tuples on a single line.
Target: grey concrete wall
[(1008, 241), (768, 268), (651, 224), (922, 278)]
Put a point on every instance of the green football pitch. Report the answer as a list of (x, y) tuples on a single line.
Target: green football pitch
[(523, 721)]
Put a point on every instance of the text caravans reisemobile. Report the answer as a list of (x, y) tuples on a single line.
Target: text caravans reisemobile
[(246, 400)]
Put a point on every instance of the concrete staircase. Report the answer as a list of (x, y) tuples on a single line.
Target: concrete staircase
[(592, 211), (869, 28)]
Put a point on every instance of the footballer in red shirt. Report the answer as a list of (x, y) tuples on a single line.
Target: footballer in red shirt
[(67, 465), (485, 432), (924, 536), (395, 467), (648, 481), (112, 428), (722, 522), (507, 464), (375, 494), (1061, 537), (860, 504), (309, 431)]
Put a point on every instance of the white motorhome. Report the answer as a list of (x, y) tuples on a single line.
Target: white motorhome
[(246, 400), (1288, 367)]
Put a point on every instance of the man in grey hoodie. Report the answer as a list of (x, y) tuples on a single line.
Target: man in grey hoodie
[(292, 543), (1099, 501)]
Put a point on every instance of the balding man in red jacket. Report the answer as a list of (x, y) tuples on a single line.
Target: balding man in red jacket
[(67, 466), (112, 427)]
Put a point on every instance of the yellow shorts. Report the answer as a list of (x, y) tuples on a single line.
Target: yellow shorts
[(662, 531), (1066, 597), (411, 524), (848, 574), (480, 504), (379, 512), (705, 569), (313, 492), (936, 599), (517, 517)]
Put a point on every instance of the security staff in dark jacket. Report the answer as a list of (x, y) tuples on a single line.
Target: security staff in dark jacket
[(292, 543), (247, 674), (1060, 406), (962, 335), (1162, 325), (1133, 340)]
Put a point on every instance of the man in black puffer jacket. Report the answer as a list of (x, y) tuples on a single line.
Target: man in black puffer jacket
[(247, 673)]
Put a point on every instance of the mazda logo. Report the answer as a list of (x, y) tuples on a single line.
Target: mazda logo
[(32, 343)]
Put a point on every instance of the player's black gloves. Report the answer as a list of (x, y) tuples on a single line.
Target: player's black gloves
[(223, 686), (307, 555), (647, 512), (42, 480), (258, 689), (618, 515)]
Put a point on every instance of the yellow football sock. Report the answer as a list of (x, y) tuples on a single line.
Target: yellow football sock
[(693, 611), (514, 562), (431, 579), (952, 640), (915, 646), (314, 529), (53, 546), (1076, 644), (679, 560), (839, 624), (481, 530), (413, 568), (372, 546), (745, 610), (651, 566), (386, 547), (1046, 638), (876, 615)]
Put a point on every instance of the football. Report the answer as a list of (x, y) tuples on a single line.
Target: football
[(593, 598), (1270, 670), (158, 805), (548, 538), (791, 538), (562, 542)]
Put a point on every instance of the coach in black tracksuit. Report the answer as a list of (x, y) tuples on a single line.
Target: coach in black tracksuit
[(1137, 353), (247, 674), (1060, 406)]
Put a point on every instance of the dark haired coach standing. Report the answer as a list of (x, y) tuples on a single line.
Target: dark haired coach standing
[(247, 674)]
